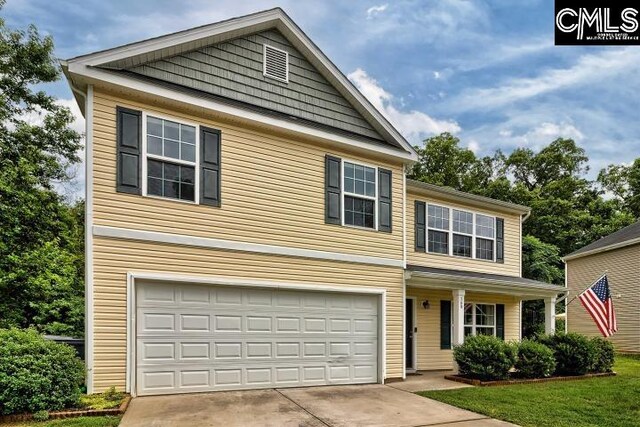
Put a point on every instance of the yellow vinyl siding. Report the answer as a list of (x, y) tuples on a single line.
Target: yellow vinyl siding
[(273, 190), (512, 247), (623, 267), (430, 356), (113, 258)]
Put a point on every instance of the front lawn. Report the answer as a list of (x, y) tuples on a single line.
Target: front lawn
[(610, 401)]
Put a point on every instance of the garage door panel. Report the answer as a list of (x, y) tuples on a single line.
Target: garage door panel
[(200, 338)]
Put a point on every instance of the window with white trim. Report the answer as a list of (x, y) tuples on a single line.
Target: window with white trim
[(438, 229), (486, 235), (171, 168), (460, 233), (359, 192), (479, 319)]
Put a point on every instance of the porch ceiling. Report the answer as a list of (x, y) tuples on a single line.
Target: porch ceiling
[(440, 278)]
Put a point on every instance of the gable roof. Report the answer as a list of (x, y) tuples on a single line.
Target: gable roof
[(627, 236), (105, 65)]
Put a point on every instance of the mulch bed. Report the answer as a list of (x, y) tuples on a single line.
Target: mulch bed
[(71, 413), (481, 383)]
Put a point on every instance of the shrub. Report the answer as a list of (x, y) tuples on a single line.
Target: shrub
[(41, 416), (573, 352), (485, 357), (604, 355), (36, 374), (535, 360)]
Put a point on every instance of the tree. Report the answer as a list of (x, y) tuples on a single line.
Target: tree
[(443, 162), (623, 182), (41, 265)]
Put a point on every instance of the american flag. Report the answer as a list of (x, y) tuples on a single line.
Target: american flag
[(597, 300)]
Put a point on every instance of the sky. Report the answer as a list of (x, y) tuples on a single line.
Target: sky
[(486, 71)]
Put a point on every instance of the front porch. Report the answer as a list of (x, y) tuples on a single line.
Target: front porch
[(443, 306)]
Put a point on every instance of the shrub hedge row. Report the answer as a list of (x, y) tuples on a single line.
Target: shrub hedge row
[(490, 358)]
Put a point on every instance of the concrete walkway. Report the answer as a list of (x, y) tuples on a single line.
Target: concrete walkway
[(331, 406), (427, 380)]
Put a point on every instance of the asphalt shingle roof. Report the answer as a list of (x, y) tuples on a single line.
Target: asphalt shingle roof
[(630, 232)]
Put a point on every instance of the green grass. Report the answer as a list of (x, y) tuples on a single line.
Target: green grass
[(108, 400), (602, 402), (109, 421)]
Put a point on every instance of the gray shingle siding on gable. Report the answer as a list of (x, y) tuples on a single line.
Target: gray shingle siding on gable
[(233, 69)]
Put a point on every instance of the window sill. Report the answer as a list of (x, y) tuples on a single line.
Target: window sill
[(169, 199), (457, 257), (357, 227)]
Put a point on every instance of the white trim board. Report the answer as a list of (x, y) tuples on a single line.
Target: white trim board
[(204, 242), (96, 76), (132, 277), (172, 44)]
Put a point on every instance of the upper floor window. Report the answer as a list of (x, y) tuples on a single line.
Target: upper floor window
[(171, 166), (359, 193), (438, 229), (460, 233)]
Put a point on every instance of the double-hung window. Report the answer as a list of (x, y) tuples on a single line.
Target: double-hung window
[(462, 233), (438, 229), (171, 159), (360, 195), (485, 237), (479, 319)]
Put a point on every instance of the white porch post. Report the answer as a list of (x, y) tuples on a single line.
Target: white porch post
[(550, 315), (458, 317)]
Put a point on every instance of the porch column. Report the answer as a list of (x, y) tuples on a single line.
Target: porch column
[(550, 315), (458, 317)]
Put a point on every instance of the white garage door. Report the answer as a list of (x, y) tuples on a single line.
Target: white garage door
[(203, 338)]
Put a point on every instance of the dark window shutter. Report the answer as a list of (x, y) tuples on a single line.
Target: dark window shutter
[(500, 321), (421, 223), (500, 240), (333, 176), (445, 325), (210, 166), (129, 144), (384, 200)]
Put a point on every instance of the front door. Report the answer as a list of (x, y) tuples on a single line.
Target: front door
[(409, 333)]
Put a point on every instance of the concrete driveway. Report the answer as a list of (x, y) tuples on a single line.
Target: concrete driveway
[(361, 405)]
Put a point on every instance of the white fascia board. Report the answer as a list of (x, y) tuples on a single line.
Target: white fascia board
[(175, 39), (602, 249), (96, 76), (438, 281), (276, 18), (205, 242)]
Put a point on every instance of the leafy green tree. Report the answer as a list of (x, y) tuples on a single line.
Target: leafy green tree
[(443, 162), (623, 181), (41, 279)]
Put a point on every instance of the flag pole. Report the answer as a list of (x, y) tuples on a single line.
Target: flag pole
[(574, 298)]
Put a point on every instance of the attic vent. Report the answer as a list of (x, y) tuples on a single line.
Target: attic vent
[(276, 63)]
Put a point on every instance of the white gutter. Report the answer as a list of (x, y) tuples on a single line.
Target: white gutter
[(88, 235)]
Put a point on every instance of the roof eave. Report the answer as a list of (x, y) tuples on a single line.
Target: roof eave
[(270, 18), (607, 248), (463, 197), (485, 285)]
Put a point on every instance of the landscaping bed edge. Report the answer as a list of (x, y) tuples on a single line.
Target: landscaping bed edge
[(481, 383), (71, 413)]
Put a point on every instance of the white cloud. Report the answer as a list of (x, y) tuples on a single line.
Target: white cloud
[(474, 146), (589, 68), (376, 10), (414, 125), (436, 75)]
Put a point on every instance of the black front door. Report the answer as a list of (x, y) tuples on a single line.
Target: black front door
[(409, 333)]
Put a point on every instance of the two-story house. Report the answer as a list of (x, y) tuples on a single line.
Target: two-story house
[(250, 225)]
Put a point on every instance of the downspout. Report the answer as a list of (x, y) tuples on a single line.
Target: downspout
[(88, 236)]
